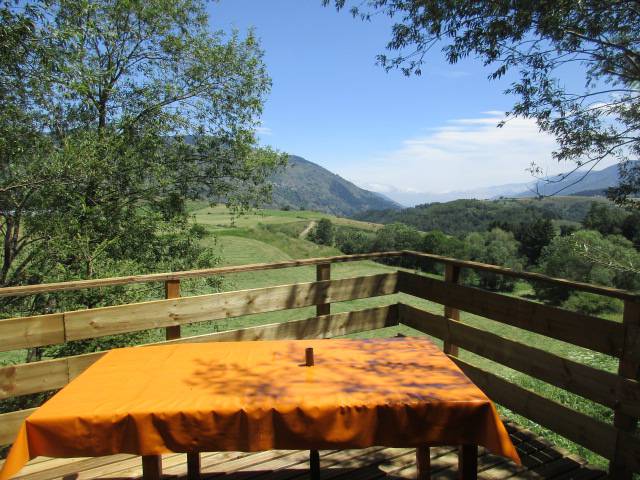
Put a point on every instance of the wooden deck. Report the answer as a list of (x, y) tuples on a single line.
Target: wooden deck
[(541, 460)]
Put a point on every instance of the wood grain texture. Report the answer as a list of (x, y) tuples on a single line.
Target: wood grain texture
[(172, 290), (594, 333), (99, 322), (577, 427), (10, 424), (208, 272), (629, 367), (323, 272), (598, 385), (451, 275), (27, 332)]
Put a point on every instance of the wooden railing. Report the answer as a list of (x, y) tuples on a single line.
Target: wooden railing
[(619, 392)]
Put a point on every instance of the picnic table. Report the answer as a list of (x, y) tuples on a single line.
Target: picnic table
[(256, 396)]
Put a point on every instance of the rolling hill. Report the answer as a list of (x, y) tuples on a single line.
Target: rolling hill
[(304, 185)]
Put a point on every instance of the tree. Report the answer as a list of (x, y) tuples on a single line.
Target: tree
[(605, 219), (537, 40), (581, 257), (438, 243), (496, 247), (397, 236), (351, 241), (533, 237), (116, 113), (324, 233), (631, 228)]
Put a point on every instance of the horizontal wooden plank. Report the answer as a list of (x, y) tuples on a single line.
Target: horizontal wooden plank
[(98, 322), (25, 378), (595, 333), (10, 424), (538, 277), (35, 377), (208, 272), (603, 387), (577, 427), (28, 332)]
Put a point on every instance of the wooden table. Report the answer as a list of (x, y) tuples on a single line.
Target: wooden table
[(256, 396)]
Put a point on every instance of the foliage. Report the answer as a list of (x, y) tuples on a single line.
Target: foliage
[(604, 219), (631, 228), (496, 247), (397, 236), (538, 40), (463, 216), (533, 236), (351, 241), (438, 243), (564, 257), (592, 304), (324, 232), (118, 112)]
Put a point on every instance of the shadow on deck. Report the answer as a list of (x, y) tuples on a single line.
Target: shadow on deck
[(541, 460)]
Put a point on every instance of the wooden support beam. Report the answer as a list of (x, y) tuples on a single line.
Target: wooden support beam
[(423, 463), (193, 466), (314, 464), (468, 462), (629, 367), (172, 290), (451, 275), (323, 272), (151, 467)]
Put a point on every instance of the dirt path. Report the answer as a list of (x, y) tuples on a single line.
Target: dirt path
[(307, 229)]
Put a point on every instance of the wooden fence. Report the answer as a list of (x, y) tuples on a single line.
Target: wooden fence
[(620, 392)]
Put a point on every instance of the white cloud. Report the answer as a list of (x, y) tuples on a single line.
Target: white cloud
[(464, 153), (263, 131)]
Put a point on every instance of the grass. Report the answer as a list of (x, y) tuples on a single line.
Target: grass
[(252, 239)]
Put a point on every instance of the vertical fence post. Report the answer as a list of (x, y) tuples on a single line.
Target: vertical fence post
[(451, 275), (172, 290), (629, 367), (323, 272)]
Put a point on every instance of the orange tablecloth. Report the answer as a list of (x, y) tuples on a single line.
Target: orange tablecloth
[(251, 396)]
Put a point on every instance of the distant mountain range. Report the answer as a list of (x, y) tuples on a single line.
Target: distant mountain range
[(305, 185), (594, 184)]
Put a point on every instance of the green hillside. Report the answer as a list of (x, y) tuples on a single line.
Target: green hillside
[(307, 186), (463, 216)]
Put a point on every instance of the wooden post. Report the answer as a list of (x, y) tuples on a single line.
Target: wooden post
[(151, 467), (308, 357), (323, 272), (468, 462), (423, 462), (451, 275), (193, 466), (172, 290), (314, 464), (629, 367)]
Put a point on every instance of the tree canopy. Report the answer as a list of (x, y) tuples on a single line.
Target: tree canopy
[(112, 115), (537, 41)]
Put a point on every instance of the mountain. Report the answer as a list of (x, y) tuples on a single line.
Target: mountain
[(462, 216), (596, 181), (305, 185), (410, 199), (594, 184)]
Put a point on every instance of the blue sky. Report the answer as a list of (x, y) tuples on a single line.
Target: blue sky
[(332, 105)]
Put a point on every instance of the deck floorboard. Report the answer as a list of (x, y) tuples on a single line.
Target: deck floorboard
[(541, 460)]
